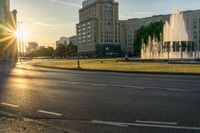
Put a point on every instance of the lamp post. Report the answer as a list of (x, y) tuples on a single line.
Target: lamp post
[(20, 41), (78, 62), (198, 53), (23, 51)]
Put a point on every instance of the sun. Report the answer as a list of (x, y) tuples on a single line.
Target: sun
[(23, 34), (17, 34), (26, 35)]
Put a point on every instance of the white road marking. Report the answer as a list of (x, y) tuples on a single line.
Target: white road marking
[(179, 90), (124, 86), (157, 122), (50, 113), (10, 105), (129, 86), (102, 84), (120, 124), (117, 124)]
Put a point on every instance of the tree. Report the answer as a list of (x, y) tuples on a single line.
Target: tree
[(51, 51), (46, 52), (153, 29), (71, 50), (60, 50)]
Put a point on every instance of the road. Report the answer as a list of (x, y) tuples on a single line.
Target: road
[(102, 102)]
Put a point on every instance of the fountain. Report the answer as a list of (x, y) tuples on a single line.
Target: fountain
[(176, 41)]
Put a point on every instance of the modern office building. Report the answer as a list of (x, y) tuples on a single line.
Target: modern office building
[(63, 41), (8, 48), (73, 40), (98, 29), (67, 40)]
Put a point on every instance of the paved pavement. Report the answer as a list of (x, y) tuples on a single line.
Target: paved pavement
[(16, 125), (98, 102)]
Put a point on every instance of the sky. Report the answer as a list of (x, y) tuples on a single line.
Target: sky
[(45, 21)]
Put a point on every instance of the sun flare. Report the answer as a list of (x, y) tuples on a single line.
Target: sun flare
[(16, 34)]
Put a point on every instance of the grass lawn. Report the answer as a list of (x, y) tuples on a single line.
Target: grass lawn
[(113, 65)]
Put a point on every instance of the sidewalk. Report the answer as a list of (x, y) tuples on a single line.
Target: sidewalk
[(6, 66), (9, 124)]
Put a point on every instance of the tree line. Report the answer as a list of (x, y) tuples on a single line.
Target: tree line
[(61, 51)]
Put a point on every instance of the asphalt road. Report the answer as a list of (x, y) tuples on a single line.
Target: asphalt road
[(102, 102)]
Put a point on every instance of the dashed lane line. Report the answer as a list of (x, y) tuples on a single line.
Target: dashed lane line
[(10, 105), (157, 122), (127, 86), (178, 90), (102, 84), (152, 125), (50, 113), (117, 124)]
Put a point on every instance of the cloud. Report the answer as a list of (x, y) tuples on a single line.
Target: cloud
[(44, 24), (136, 14), (66, 3)]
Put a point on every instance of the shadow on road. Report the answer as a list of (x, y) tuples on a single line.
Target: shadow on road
[(5, 69), (35, 70)]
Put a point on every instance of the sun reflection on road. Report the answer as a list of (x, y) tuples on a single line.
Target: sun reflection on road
[(15, 90)]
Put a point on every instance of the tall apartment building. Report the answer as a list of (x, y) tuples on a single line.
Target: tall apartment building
[(98, 28)]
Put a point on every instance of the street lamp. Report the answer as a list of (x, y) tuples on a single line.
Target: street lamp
[(23, 51), (20, 41), (78, 62)]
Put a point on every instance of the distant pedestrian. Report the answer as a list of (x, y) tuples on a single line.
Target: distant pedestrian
[(126, 58), (21, 61)]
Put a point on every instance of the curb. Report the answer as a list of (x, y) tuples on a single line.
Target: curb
[(113, 71)]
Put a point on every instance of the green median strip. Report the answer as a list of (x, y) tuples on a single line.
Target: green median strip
[(113, 65)]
